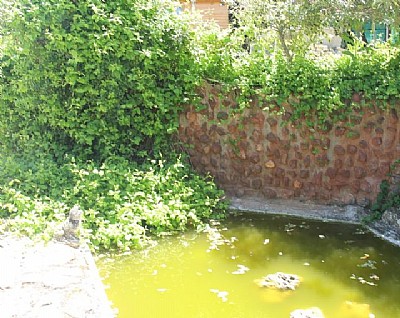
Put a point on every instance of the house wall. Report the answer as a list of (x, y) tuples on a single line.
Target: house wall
[(211, 10), (255, 154)]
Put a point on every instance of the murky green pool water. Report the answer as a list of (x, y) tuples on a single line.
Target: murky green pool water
[(345, 271)]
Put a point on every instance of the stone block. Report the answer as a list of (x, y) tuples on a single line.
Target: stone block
[(365, 186), (269, 193), (279, 172), (256, 183), (339, 150), (269, 180), (317, 179), (393, 118), (204, 138), (368, 127), (351, 149), (254, 158), (255, 170), (216, 148), (293, 164), (390, 137), (221, 131), (307, 161), (362, 156), (272, 138), (297, 184), (292, 174), (359, 172), (270, 164), (349, 162), (384, 168), (376, 141), (257, 136), (340, 131), (304, 145), (322, 160), (345, 174), (258, 119), (331, 172), (272, 121), (363, 144), (304, 174), (286, 182), (338, 163)]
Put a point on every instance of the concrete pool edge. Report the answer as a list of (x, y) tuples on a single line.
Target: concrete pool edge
[(309, 210), (51, 279)]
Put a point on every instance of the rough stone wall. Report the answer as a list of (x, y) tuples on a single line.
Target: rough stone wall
[(254, 155)]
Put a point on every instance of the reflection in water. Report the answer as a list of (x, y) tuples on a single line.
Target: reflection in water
[(344, 271)]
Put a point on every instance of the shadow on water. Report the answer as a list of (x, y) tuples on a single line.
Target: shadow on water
[(345, 271)]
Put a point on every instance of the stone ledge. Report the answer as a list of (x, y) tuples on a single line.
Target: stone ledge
[(49, 280), (354, 214)]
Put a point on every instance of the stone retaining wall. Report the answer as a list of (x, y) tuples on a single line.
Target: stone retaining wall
[(253, 154)]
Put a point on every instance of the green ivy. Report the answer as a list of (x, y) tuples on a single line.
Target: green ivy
[(95, 78), (313, 90), (124, 204), (388, 196)]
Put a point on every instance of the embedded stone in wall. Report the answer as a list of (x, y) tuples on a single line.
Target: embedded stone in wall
[(297, 184), (377, 141), (363, 144), (390, 137), (307, 162), (254, 158), (222, 116), (272, 121), (340, 131), (256, 184), (351, 149), (304, 174), (331, 172), (270, 164), (365, 186), (338, 163), (269, 193), (271, 137), (339, 150), (359, 172), (362, 156)]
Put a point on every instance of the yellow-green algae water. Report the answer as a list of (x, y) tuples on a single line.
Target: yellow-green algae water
[(345, 271)]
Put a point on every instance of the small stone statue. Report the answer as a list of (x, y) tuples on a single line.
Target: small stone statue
[(71, 226)]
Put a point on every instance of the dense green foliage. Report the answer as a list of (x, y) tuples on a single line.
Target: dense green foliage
[(388, 196), (93, 77), (90, 95), (124, 204), (291, 27), (317, 88)]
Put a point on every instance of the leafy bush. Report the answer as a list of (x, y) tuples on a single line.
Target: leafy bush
[(94, 77), (314, 90), (388, 196), (124, 204)]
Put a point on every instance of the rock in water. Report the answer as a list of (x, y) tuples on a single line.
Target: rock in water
[(280, 281), (313, 312)]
